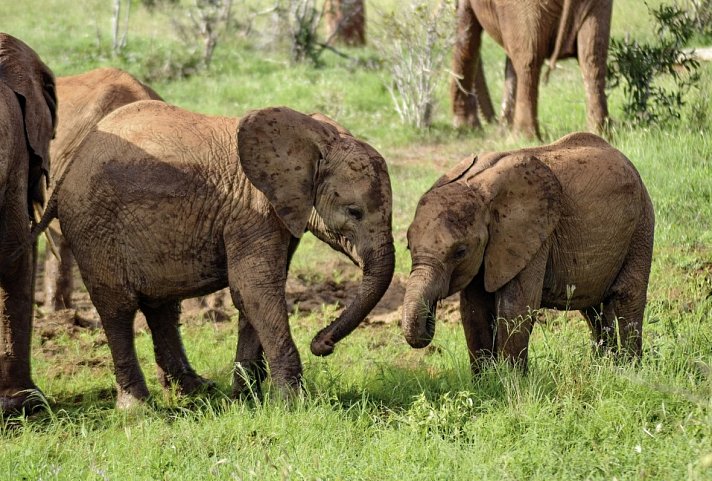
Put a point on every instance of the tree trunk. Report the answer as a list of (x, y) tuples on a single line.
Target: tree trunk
[(346, 21)]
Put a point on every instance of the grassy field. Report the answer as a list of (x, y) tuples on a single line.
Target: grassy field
[(376, 409)]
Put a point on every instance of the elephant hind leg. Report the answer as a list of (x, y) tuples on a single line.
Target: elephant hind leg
[(466, 65), (117, 312), (509, 93), (592, 40), (624, 307), (172, 361)]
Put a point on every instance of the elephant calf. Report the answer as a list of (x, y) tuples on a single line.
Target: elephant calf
[(567, 225), (160, 204)]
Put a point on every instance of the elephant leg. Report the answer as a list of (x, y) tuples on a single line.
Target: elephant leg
[(172, 361), (527, 96), (250, 365), (629, 291), (17, 390), (592, 42), (65, 279), (484, 101), (478, 314), (515, 303), (466, 58), (117, 315), (51, 271), (509, 94), (257, 277), (602, 328)]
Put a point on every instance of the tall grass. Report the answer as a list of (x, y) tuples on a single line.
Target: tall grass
[(377, 409)]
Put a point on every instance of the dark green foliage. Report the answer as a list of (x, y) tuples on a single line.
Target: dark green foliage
[(645, 69)]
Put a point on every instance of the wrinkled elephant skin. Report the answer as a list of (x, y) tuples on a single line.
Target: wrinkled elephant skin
[(567, 225), (530, 32), (174, 204)]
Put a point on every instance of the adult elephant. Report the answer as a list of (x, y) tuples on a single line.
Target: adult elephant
[(567, 225), (161, 204), (84, 100), (530, 31), (28, 106)]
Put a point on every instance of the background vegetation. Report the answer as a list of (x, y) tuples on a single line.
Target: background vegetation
[(377, 409)]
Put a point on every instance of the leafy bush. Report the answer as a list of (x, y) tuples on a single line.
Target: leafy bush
[(415, 41), (644, 69)]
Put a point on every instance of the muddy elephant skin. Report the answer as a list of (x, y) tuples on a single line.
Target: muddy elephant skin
[(530, 32), (567, 225), (84, 100), (162, 204), (28, 105)]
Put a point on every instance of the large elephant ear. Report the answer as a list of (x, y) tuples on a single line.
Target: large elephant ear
[(524, 198), (33, 82), (279, 151)]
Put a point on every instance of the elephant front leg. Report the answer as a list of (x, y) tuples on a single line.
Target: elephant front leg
[(478, 315), (17, 391), (257, 277), (466, 58), (515, 303)]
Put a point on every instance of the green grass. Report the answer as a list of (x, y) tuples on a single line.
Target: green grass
[(377, 409)]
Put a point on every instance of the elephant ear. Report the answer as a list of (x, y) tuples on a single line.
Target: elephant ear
[(524, 199), (343, 131), (33, 83), (279, 152), (457, 172)]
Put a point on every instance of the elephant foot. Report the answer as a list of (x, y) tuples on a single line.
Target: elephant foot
[(27, 401), (247, 380), (127, 399), (187, 383)]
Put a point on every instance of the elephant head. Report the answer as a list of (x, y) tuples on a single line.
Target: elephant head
[(317, 176), (490, 214), (33, 83)]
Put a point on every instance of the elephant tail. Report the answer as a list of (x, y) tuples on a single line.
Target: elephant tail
[(565, 25)]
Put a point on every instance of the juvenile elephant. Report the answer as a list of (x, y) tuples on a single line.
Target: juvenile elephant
[(530, 31), (162, 204), (28, 106), (84, 100), (567, 225)]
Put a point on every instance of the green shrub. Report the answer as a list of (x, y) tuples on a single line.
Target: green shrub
[(645, 70)]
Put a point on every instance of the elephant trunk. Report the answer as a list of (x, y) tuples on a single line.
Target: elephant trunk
[(420, 306), (378, 266)]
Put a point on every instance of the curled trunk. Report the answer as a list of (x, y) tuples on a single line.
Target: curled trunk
[(378, 266)]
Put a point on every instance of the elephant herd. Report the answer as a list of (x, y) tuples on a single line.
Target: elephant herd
[(158, 204)]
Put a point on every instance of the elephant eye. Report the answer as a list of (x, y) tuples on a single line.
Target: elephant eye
[(459, 252), (355, 213)]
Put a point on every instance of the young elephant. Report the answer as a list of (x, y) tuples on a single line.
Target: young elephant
[(84, 100), (567, 225), (161, 204)]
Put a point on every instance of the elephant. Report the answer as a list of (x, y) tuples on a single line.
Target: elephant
[(161, 204), (567, 225), (530, 31), (28, 108), (84, 100)]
